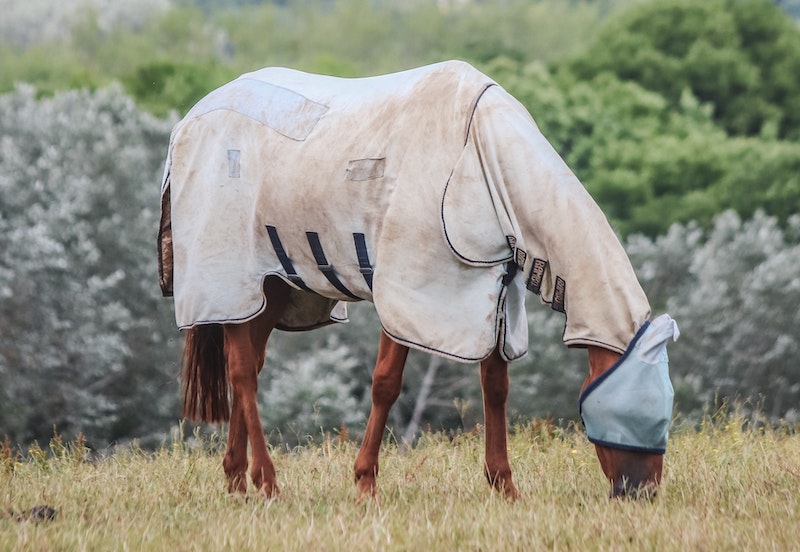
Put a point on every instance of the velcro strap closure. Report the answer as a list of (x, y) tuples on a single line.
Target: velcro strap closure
[(325, 267), (283, 258)]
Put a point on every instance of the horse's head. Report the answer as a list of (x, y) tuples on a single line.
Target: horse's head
[(631, 473), (626, 406)]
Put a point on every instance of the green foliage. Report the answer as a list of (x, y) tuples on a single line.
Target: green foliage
[(162, 87), (740, 56), (105, 41), (371, 37), (648, 163)]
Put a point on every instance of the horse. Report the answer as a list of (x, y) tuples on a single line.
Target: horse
[(430, 193)]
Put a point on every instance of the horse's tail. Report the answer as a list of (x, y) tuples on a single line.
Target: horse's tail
[(205, 381)]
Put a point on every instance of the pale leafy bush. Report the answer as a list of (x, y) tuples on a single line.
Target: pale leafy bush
[(82, 344), (735, 292)]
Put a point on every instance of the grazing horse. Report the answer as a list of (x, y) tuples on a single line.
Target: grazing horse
[(430, 193)]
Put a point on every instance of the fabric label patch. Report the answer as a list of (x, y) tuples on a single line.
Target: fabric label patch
[(234, 163), (365, 169), (284, 111)]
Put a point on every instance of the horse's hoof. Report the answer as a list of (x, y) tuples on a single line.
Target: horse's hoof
[(367, 490), (503, 484), (36, 514), (270, 491), (624, 490), (511, 493), (237, 485), (507, 489)]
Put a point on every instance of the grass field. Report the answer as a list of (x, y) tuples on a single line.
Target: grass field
[(724, 488)]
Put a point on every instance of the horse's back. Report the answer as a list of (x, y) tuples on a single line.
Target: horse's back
[(349, 160)]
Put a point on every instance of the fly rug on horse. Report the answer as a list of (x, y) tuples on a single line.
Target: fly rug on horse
[(429, 192)]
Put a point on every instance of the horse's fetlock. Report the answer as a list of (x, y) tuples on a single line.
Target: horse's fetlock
[(237, 483), (365, 472)]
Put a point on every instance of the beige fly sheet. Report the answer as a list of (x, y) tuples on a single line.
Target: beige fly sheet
[(429, 192)]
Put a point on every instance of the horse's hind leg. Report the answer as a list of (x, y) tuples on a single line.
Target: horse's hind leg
[(235, 461), (494, 382), (387, 380), (245, 349)]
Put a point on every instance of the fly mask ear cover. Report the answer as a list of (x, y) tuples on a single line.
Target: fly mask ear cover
[(629, 406)]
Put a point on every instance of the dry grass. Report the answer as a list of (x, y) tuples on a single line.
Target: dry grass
[(725, 488)]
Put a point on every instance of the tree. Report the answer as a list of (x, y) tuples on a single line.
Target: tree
[(740, 56), (84, 345), (735, 293), (164, 87), (648, 163)]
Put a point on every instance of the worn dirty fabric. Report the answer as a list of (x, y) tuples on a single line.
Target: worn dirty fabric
[(630, 405), (429, 192)]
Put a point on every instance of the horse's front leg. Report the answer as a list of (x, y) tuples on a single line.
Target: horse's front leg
[(494, 382), (387, 381)]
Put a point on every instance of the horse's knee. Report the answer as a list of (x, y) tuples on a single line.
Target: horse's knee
[(386, 387)]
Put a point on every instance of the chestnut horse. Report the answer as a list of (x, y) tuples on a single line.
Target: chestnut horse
[(226, 359), (438, 199)]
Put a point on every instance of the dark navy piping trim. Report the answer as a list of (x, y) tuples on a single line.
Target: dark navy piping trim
[(497, 328), (238, 320), (475, 108), (630, 448), (421, 347), (469, 261), (260, 309), (583, 342), (447, 185), (592, 386)]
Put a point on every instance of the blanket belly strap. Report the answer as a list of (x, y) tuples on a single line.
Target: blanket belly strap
[(324, 267), (286, 263), (511, 271), (363, 257)]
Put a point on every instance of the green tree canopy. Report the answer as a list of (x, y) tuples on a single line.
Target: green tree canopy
[(740, 56)]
